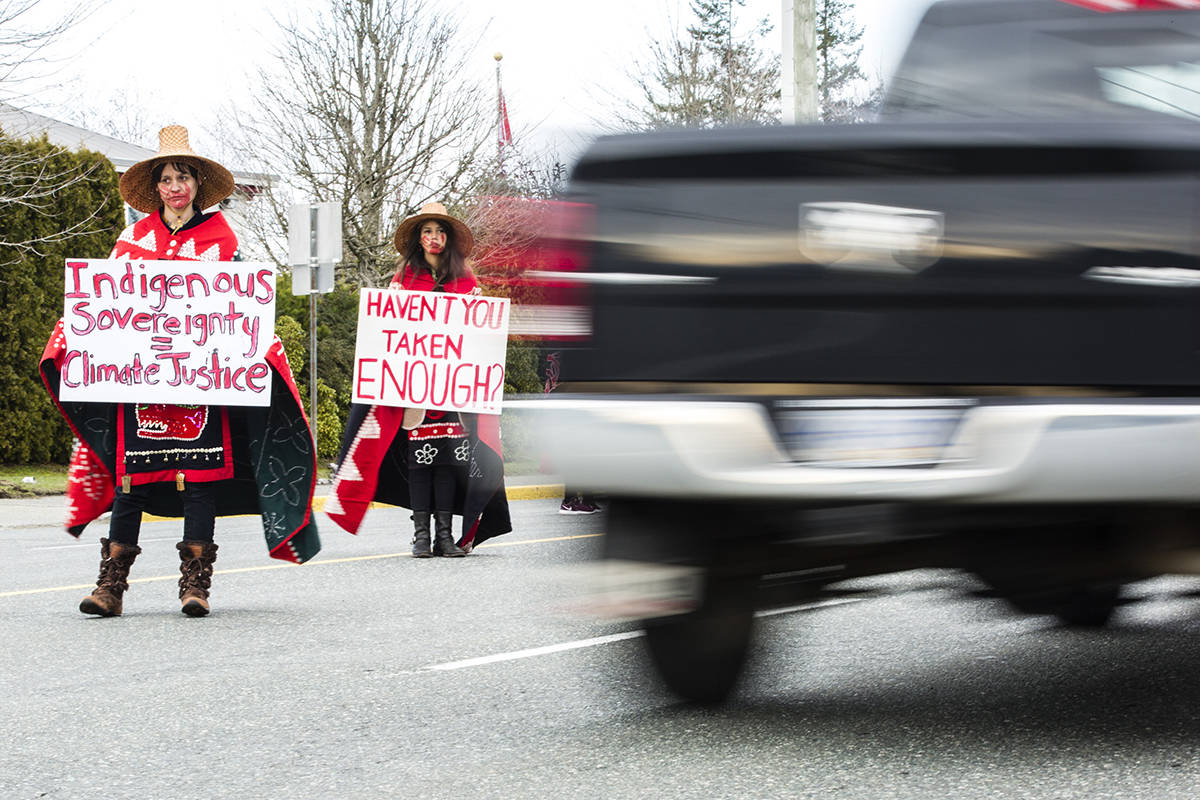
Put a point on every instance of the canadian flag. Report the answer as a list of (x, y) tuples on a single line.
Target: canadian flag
[(505, 132)]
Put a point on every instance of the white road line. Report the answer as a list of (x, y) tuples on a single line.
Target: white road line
[(813, 606), (534, 652), (93, 545)]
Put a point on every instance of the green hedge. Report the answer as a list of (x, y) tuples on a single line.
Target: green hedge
[(31, 282)]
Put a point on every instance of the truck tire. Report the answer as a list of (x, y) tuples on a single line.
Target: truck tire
[(1071, 571), (1079, 606), (699, 656)]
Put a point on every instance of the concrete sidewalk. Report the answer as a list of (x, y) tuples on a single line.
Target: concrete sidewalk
[(49, 511)]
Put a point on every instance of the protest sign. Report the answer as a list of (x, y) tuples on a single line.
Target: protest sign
[(431, 350), (177, 332)]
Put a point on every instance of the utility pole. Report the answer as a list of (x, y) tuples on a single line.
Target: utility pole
[(798, 68)]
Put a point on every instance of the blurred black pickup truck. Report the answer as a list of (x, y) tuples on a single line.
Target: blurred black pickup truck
[(966, 336)]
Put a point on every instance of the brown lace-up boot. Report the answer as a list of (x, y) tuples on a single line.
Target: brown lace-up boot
[(196, 568), (115, 561)]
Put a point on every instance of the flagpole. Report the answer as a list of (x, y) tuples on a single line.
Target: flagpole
[(499, 113)]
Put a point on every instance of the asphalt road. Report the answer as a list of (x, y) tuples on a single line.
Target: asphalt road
[(367, 674)]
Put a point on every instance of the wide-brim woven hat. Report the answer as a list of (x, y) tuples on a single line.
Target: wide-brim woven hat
[(137, 184), (464, 240)]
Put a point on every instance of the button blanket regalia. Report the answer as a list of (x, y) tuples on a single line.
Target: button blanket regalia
[(374, 459), (274, 465), (260, 460)]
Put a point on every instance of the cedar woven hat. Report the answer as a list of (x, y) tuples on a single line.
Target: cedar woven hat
[(137, 185), (464, 241)]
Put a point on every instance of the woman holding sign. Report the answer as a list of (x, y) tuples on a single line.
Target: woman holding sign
[(437, 463), (193, 460)]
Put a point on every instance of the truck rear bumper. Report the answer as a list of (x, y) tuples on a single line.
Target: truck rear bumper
[(1094, 451)]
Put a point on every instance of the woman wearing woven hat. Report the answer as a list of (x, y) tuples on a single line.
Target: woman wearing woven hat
[(185, 460), (436, 463)]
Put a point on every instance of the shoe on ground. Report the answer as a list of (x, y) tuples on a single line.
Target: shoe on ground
[(577, 505)]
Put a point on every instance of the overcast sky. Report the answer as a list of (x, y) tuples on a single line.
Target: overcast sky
[(565, 61)]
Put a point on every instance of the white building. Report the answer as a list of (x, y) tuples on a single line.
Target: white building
[(21, 124)]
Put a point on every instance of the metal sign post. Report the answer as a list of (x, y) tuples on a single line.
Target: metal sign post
[(314, 248)]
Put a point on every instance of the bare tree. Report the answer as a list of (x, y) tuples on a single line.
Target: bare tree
[(713, 76), (123, 115), (508, 210), (746, 76), (25, 40), (839, 76), (716, 76), (365, 105), (674, 87), (32, 177)]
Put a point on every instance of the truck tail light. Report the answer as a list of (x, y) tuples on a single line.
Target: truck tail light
[(1136, 5), (551, 302)]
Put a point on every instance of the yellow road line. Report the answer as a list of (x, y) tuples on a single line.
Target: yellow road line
[(313, 563)]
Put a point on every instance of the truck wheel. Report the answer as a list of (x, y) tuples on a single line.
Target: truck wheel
[(1087, 606), (700, 655), (1071, 571), (1081, 605)]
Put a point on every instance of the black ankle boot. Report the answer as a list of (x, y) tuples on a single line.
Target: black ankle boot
[(443, 541), (420, 542)]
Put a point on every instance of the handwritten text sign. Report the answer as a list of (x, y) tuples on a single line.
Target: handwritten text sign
[(178, 332), (431, 350)]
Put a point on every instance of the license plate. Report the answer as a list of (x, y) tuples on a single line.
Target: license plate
[(869, 433)]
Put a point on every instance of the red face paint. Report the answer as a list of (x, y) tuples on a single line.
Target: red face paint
[(433, 238), (176, 189)]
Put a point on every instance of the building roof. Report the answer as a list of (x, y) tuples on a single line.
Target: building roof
[(19, 123)]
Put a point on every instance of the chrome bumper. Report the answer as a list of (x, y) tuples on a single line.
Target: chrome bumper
[(1037, 453)]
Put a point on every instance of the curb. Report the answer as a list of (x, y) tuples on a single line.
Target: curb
[(534, 491)]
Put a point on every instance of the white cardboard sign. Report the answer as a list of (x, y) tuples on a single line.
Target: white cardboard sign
[(179, 332), (432, 350)]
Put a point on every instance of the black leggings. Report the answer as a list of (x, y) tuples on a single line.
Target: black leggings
[(199, 513), (436, 483)]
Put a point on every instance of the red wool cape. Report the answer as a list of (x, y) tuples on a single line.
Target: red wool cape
[(269, 463), (373, 462)]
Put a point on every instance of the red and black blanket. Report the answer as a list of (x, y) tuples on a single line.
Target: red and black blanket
[(373, 466), (270, 450)]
